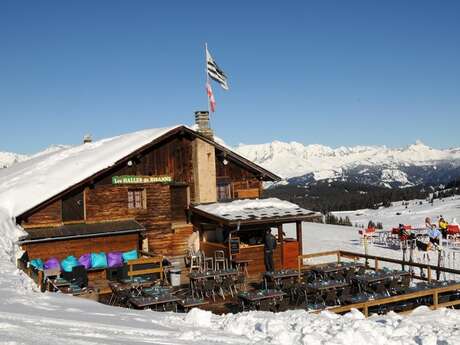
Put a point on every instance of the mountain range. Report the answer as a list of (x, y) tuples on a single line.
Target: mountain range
[(9, 158), (300, 164)]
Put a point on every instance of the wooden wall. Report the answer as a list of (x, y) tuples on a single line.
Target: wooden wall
[(290, 253), (77, 247), (256, 253), (244, 184), (48, 215), (108, 202)]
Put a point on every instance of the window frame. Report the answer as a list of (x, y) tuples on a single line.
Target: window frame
[(137, 199)]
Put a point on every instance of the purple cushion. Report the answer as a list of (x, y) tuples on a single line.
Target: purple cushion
[(52, 263), (115, 259), (85, 260)]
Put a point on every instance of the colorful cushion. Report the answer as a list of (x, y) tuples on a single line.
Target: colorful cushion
[(85, 260), (69, 263), (131, 255), (98, 260), (37, 263), (115, 259), (52, 263)]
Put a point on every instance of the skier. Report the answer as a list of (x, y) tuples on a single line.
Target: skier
[(443, 226), (269, 247), (435, 235)]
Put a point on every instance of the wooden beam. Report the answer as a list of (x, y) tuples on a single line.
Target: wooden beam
[(298, 227), (281, 239)]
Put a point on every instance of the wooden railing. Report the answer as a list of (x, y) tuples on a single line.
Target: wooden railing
[(377, 260), (434, 293)]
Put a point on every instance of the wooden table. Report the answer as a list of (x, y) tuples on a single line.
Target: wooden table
[(190, 303), (329, 268), (322, 286), (144, 302), (196, 276), (242, 263), (278, 276), (251, 300), (365, 280)]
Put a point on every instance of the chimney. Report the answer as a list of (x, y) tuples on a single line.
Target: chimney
[(87, 139), (202, 122)]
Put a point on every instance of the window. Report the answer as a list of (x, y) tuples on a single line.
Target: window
[(73, 207), (224, 192), (137, 198)]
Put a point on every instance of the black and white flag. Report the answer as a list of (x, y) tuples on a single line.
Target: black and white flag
[(214, 72)]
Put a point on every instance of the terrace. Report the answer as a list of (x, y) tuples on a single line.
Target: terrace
[(338, 281)]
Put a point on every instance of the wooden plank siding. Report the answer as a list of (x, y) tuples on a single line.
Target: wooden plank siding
[(239, 178), (256, 254), (50, 215), (77, 247)]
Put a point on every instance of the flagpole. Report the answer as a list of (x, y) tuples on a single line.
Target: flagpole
[(207, 79)]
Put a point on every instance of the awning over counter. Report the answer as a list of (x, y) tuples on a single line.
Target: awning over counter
[(257, 211), (81, 230)]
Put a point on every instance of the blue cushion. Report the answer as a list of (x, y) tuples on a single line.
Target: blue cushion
[(131, 255), (69, 263), (98, 260), (37, 263)]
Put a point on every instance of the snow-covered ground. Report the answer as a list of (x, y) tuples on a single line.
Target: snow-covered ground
[(414, 214), (29, 317)]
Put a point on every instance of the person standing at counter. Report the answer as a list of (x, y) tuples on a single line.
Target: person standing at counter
[(269, 247)]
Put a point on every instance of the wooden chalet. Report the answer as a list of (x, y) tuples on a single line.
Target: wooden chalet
[(147, 197)]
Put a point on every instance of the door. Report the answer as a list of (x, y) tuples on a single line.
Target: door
[(179, 203)]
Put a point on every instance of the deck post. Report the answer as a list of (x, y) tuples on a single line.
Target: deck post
[(281, 239), (298, 228), (435, 299)]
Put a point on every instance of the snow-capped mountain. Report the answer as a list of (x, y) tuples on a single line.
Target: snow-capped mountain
[(9, 158), (377, 165)]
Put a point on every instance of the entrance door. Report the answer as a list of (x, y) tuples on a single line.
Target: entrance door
[(179, 202), (73, 207)]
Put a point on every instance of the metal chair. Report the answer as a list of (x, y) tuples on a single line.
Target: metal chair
[(209, 288), (345, 296), (331, 298), (207, 262), (195, 263), (219, 259)]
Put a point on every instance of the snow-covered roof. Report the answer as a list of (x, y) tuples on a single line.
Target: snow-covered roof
[(255, 209), (27, 184)]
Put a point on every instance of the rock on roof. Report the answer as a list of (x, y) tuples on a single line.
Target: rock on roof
[(27, 184), (255, 209)]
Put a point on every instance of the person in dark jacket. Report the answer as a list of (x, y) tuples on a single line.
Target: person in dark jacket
[(269, 247)]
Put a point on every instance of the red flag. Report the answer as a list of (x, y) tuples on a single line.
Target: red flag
[(212, 101)]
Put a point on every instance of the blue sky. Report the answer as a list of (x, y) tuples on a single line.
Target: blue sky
[(328, 72)]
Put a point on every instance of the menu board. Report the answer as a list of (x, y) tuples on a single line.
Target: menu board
[(234, 245)]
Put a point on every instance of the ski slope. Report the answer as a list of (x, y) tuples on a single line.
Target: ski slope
[(414, 214)]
